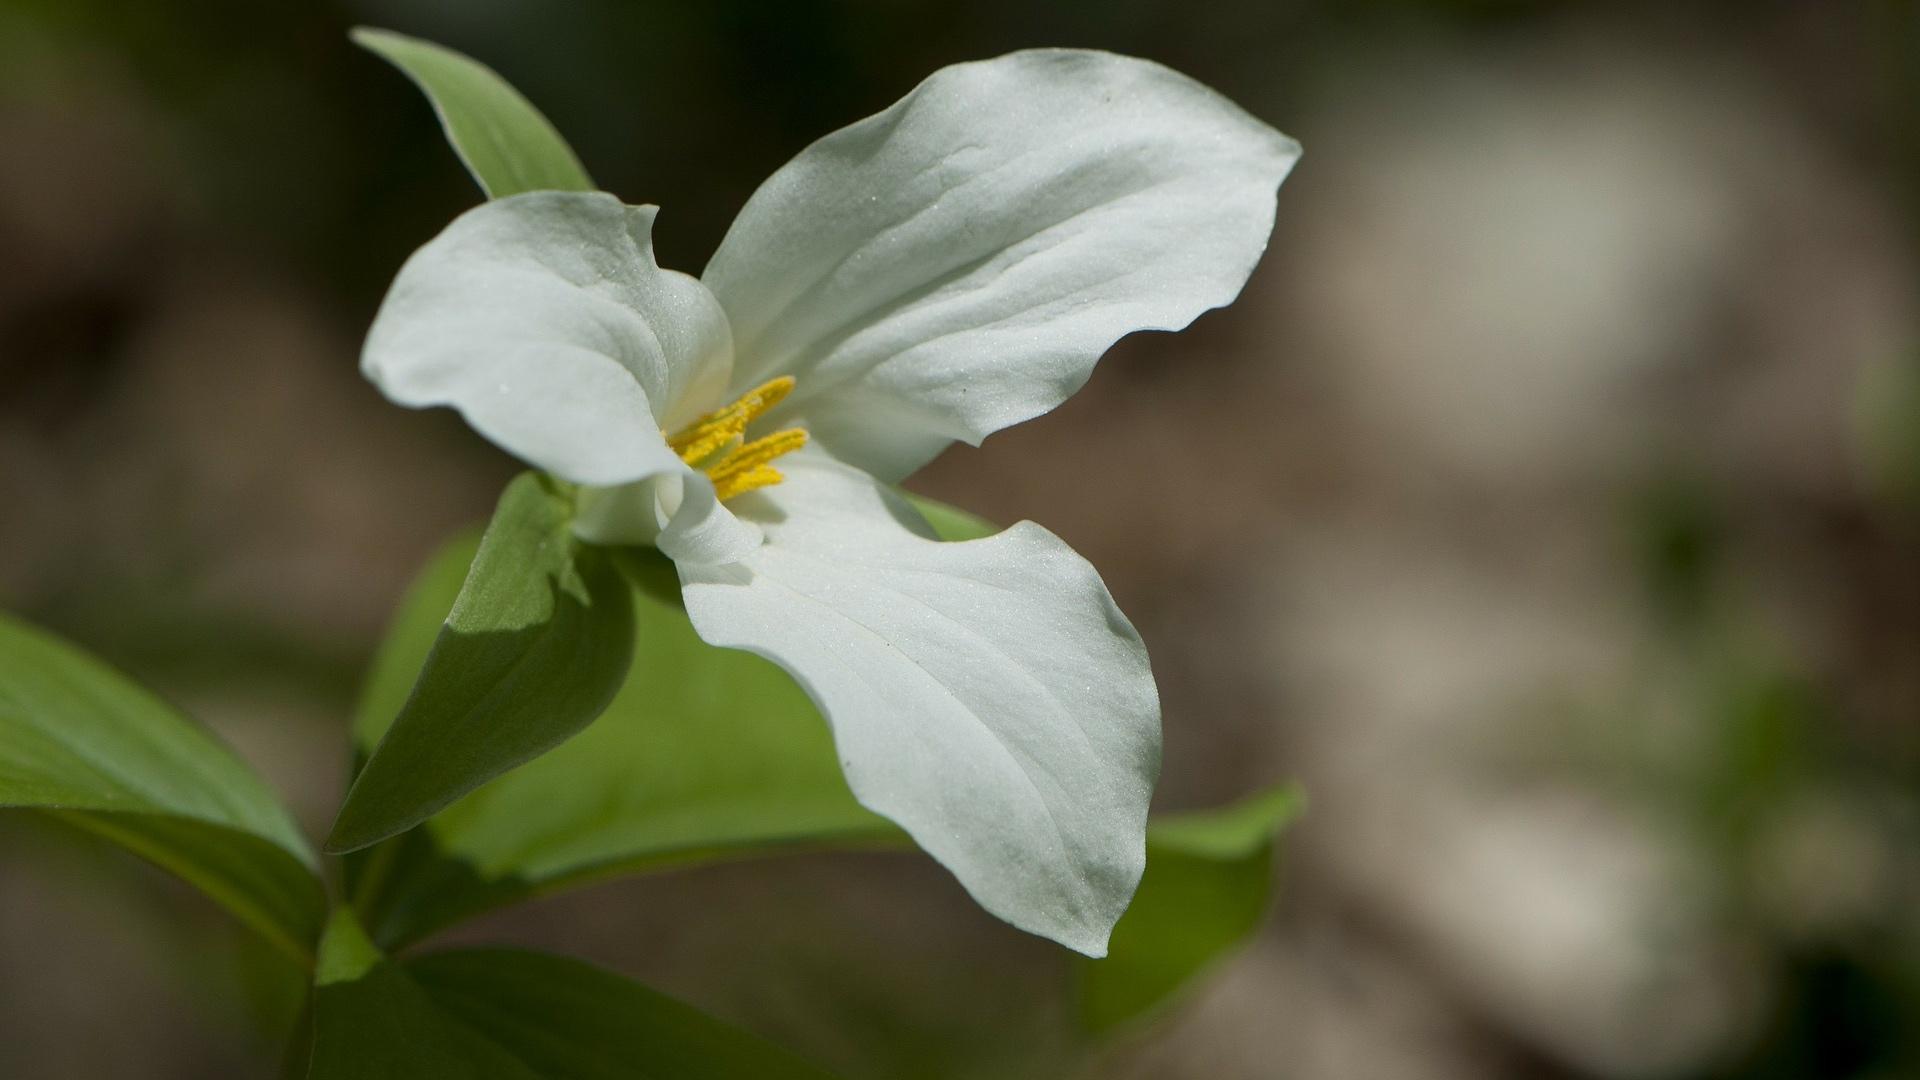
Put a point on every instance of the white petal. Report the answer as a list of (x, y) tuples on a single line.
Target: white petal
[(544, 319), (958, 262), (988, 696), (677, 512)]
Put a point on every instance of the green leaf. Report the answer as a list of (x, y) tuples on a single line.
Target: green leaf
[(499, 1014), (346, 954), (707, 753), (503, 140), (1205, 891), (372, 1022), (571, 1019), (88, 745), (950, 522), (535, 646)]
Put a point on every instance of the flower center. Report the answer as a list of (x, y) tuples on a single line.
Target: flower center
[(717, 445)]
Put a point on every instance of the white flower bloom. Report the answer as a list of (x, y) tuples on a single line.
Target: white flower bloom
[(937, 272)]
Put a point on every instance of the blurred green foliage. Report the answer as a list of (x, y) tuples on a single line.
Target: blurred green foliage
[(1786, 797)]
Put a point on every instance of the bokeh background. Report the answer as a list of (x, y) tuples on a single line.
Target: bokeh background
[(1549, 505)]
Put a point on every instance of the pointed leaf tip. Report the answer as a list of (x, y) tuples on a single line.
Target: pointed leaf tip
[(504, 141)]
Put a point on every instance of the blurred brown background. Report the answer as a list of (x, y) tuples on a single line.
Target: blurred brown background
[(1549, 504)]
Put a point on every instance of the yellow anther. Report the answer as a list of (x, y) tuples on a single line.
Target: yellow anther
[(758, 452), (713, 430), (700, 450), (765, 396), (716, 444), (740, 483)]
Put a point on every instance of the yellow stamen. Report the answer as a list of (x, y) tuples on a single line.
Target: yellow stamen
[(716, 443), (715, 429), (740, 483), (758, 452)]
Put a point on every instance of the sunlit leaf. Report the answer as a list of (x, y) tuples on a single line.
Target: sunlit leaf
[(533, 647), (499, 1014), (1206, 888), (503, 140), (951, 522), (86, 744)]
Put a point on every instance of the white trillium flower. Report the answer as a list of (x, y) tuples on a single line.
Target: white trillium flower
[(947, 268)]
